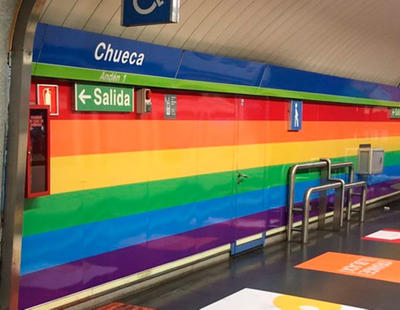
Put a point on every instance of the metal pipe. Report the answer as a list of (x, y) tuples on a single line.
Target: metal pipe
[(342, 165), (339, 205), (323, 197), (349, 165), (21, 69), (363, 201), (307, 200), (292, 178), (356, 184)]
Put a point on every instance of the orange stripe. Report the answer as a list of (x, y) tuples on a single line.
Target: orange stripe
[(80, 137)]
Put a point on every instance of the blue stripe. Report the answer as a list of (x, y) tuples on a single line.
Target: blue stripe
[(66, 245)]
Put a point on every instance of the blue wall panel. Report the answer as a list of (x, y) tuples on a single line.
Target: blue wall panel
[(298, 80), (68, 47), (210, 68), (77, 48)]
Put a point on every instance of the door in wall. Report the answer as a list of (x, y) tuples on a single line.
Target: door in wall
[(251, 133)]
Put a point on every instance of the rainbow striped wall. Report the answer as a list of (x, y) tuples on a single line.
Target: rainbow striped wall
[(132, 192)]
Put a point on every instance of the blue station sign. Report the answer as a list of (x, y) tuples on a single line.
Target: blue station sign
[(147, 12)]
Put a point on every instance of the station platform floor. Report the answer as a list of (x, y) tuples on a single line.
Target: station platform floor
[(363, 283)]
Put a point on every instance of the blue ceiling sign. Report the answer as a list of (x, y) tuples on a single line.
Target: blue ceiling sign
[(147, 12)]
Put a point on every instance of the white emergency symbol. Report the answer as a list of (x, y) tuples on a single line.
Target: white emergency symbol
[(150, 9), (47, 96)]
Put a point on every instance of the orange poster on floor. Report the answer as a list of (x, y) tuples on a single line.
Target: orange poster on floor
[(355, 265)]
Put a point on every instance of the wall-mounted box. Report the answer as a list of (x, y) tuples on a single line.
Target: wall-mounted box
[(370, 160), (143, 100)]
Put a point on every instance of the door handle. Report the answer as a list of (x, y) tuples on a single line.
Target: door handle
[(241, 177)]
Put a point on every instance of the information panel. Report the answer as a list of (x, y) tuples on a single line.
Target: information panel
[(170, 102), (91, 97)]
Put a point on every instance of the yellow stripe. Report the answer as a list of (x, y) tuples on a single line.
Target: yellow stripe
[(75, 173)]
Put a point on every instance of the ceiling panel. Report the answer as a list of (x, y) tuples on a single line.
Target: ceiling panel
[(79, 15), (57, 11), (355, 39), (102, 15), (168, 31)]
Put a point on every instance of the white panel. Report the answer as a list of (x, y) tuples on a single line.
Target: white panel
[(46, 5), (169, 31), (208, 24), (281, 25), (114, 28), (102, 15), (260, 23), (225, 43), (132, 32), (229, 18), (149, 33), (196, 19), (318, 48), (81, 13), (57, 11)]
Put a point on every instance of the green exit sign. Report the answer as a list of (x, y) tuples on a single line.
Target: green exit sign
[(90, 97), (395, 113)]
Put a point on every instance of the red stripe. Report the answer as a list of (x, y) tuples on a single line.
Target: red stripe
[(209, 106)]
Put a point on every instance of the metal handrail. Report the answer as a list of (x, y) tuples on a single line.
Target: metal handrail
[(363, 201), (338, 214), (351, 178), (349, 188), (307, 201), (339, 203), (292, 178)]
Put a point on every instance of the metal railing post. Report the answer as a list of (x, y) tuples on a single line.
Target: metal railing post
[(350, 191), (306, 215), (363, 200), (351, 180), (292, 178), (307, 201), (363, 203)]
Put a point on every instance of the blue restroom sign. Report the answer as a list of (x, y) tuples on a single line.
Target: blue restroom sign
[(147, 12), (296, 115)]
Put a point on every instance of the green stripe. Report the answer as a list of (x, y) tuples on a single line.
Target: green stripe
[(75, 73), (70, 209)]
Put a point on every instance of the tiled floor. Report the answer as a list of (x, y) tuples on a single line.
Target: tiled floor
[(272, 269)]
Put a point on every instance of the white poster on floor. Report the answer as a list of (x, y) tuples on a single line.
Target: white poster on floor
[(251, 299), (385, 235)]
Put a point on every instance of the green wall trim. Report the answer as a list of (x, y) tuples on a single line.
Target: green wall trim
[(60, 211), (94, 75)]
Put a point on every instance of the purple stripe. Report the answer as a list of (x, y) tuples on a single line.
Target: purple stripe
[(59, 281)]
